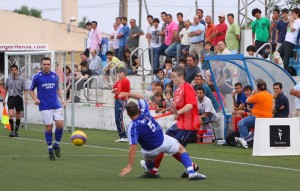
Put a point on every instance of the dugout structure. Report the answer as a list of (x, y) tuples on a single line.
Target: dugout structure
[(226, 70)]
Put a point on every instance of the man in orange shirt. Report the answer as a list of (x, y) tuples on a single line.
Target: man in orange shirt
[(263, 105), (122, 85), (209, 28)]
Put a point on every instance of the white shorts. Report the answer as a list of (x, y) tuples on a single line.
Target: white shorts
[(52, 114), (169, 146)]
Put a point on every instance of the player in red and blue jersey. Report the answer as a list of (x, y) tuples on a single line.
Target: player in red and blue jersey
[(147, 132), (50, 101)]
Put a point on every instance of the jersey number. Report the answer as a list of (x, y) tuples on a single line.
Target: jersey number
[(152, 126)]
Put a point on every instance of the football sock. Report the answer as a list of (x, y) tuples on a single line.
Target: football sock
[(58, 135), (150, 167), (149, 164), (187, 162), (158, 159), (177, 157), (48, 137), (11, 123), (17, 125)]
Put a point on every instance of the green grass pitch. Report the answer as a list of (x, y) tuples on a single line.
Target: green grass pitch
[(24, 165)]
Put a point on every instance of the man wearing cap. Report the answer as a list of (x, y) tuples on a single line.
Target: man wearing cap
[(220, 31), (122, 85)]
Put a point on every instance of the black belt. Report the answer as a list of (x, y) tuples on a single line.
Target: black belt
[(197, 42)]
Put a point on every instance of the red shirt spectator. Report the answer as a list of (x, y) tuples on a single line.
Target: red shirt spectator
[(123, 85), (183, 95), (220, 30)]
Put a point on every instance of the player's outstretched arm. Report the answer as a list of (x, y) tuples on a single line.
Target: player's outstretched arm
[(131, 157), (131, 95)]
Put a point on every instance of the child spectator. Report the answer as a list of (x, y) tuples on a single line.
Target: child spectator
[(182, 62), (169, 87), (160, 103), (168, 69), (150, 94), (159, 87), (206, 51), (275, 55), (251, 50), (169, 98), (131, 68)]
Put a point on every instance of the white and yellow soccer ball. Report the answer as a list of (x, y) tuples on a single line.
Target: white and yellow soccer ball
[(78, 138)]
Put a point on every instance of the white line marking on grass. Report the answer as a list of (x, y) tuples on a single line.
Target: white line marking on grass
[(247, 164), (198, 158), (37, 156)]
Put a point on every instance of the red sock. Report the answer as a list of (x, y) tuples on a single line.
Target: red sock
[(157, 160), (177, 157)]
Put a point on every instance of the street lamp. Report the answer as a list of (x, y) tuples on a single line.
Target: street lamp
[(72, 19)]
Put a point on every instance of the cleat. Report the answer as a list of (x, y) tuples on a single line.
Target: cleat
[(185, 173), (16, 134), (242, 142), (237, 143), (57, 151), (149, 175), (144, 166), (11, 134), (51, 155), (197, 176), (121, 140)]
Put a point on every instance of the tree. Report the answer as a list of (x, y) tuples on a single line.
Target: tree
[(29, 12), (292, 3), (82, 23)]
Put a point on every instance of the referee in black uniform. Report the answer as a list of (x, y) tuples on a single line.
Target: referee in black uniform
[(15, 86)]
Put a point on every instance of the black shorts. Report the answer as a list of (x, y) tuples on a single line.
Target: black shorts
[(15, 102)]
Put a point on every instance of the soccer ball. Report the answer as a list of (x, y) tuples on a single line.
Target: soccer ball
[(78, 138)]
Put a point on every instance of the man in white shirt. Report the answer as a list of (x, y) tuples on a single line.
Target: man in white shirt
[(286, 49), (88, 26), (154, 40), (116, 40), (295, 91), (96, 63), (207, 113)]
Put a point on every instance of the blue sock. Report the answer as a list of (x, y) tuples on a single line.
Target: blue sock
[(150, 164), (48, 137), (187, 162), (58, 135)]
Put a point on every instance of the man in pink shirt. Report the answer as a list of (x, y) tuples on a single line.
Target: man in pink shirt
[(220, 31), (170, 33), (171, 30), (96, 37)]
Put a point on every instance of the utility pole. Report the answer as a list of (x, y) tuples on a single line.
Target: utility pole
[(123, 8), (213, 10), (196, 5), (140, 13), (146, 7)]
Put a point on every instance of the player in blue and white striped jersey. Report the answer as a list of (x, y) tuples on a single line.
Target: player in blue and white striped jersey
[(144, 130), (50, 100)]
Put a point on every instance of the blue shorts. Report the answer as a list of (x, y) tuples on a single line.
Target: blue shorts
[(183, 136)]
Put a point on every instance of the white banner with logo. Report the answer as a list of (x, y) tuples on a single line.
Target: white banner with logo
[(23, 47), (276, 137)]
